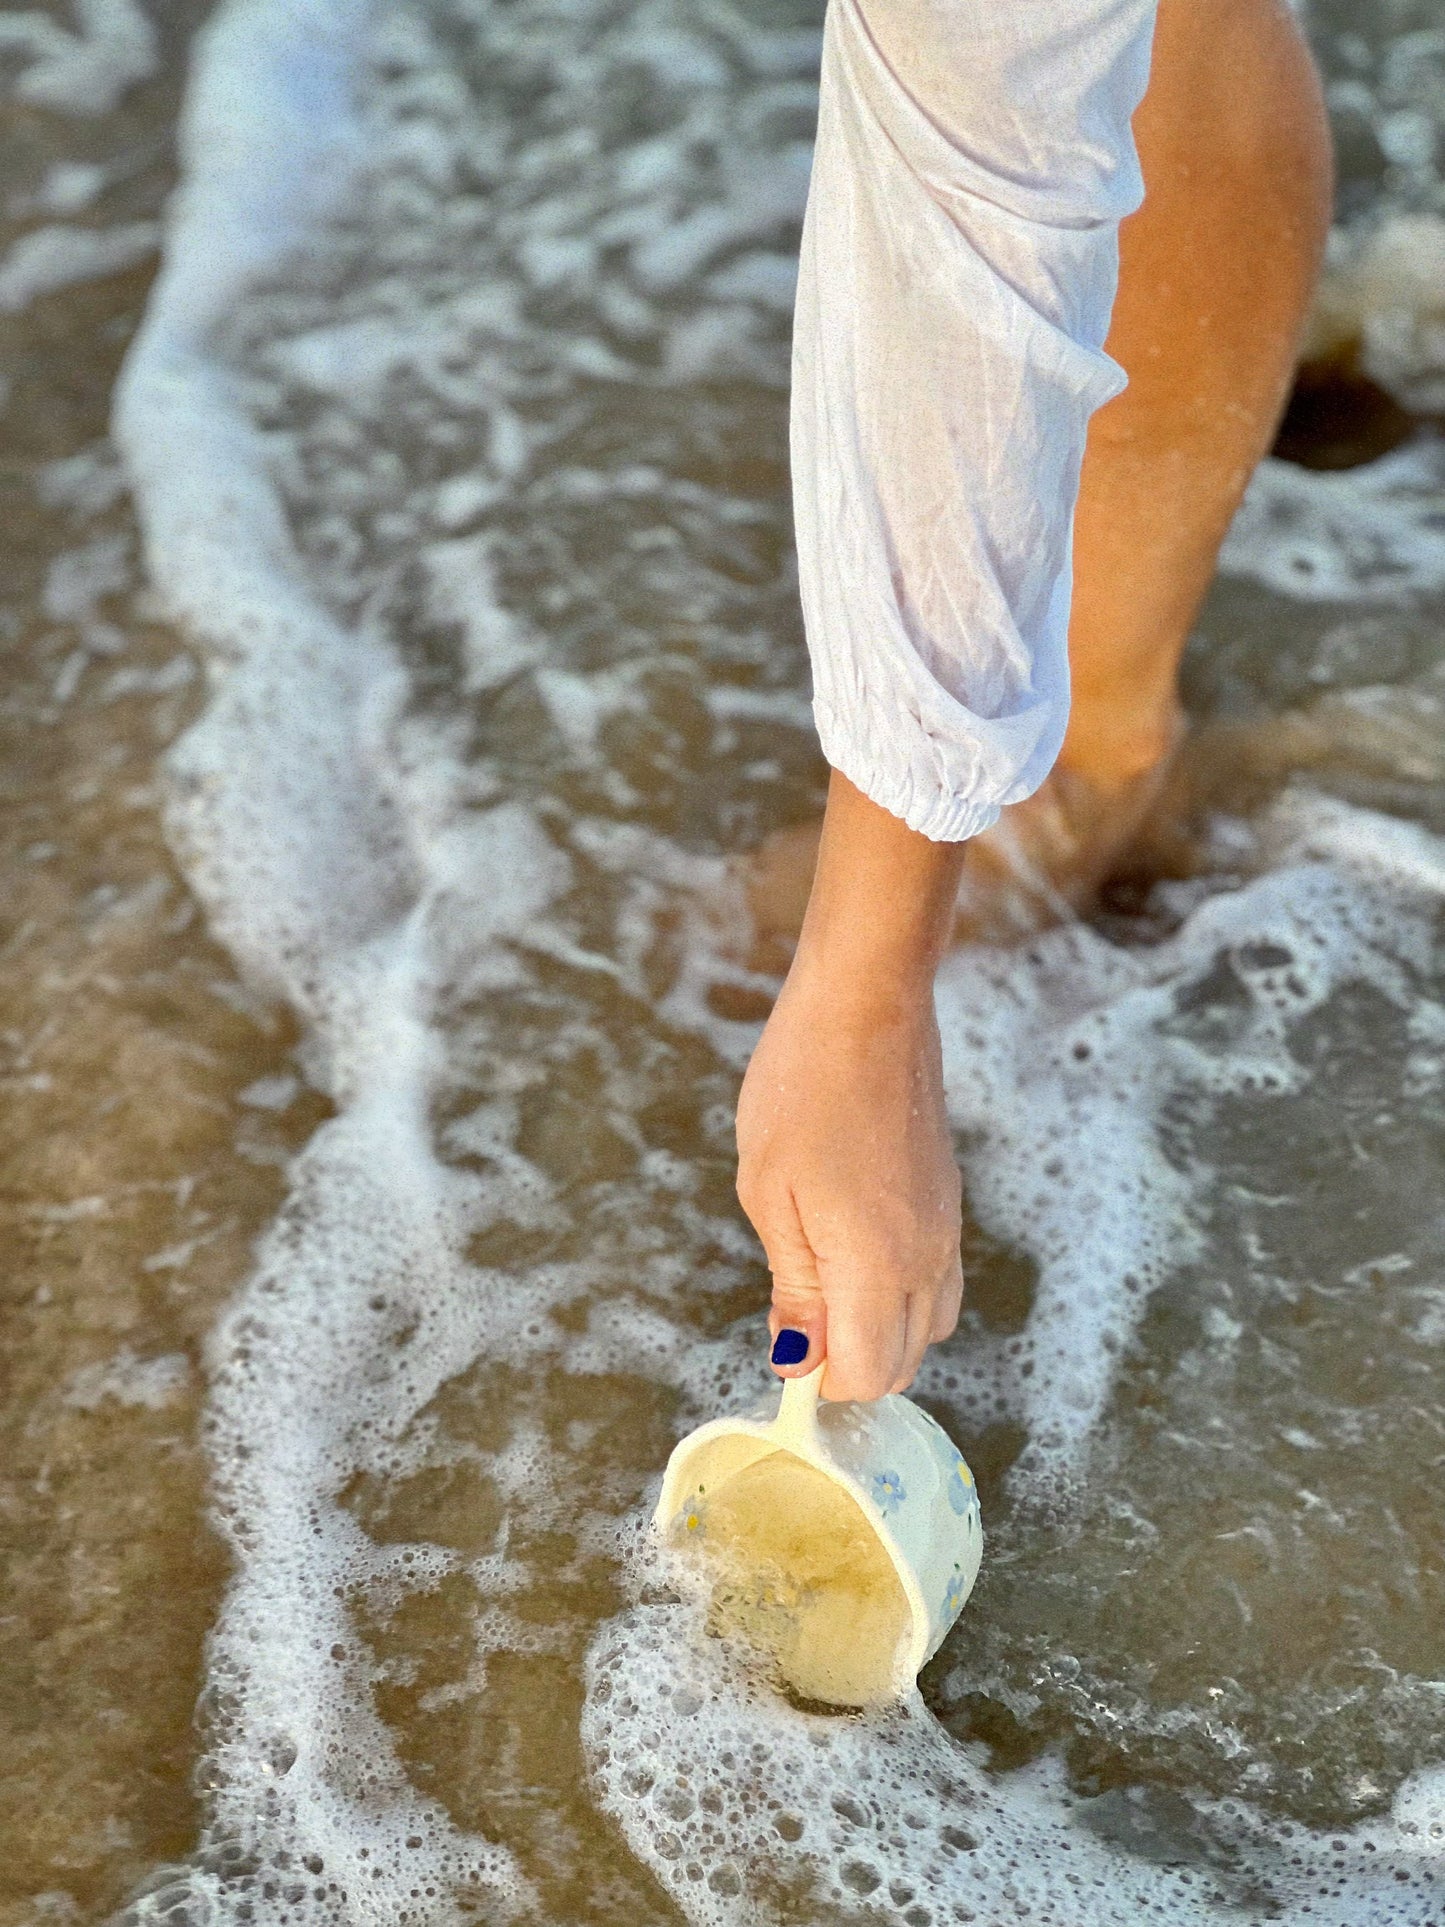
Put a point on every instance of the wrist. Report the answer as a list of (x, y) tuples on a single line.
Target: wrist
[(884, 982)]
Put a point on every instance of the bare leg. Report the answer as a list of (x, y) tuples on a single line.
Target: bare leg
[(1216, 273)]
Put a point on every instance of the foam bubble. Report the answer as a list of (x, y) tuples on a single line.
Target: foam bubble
[(1383, 298), (747, 1811), (1060, 1060), (1366, 534), (50, 258), (85, 72), (127, 1379)]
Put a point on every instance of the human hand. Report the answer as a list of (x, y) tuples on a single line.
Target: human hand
[(846, 1169), (845, 1160)]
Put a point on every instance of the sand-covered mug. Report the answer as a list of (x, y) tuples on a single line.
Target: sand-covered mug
[(862, 1520)]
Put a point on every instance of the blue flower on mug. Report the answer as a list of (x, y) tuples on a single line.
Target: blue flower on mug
[(888, 1492), (693, 1517), (954, 1597), (961, 1494)]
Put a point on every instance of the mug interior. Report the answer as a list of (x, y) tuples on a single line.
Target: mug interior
[(799, 1568)]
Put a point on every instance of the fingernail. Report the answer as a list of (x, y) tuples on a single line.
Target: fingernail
[(790, 1347)]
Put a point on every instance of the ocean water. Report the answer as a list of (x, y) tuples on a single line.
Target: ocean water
[(401, 630)]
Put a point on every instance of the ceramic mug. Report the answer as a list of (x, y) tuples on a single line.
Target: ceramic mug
[(909, 1480)]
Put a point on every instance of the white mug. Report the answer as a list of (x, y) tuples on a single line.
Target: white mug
[(908, 1479)]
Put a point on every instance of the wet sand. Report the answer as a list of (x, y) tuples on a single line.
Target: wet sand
[(489, 1299)]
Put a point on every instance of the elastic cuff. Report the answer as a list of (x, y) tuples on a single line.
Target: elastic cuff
[(932, 811)]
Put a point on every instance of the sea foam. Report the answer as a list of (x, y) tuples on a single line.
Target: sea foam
[(366, 860)]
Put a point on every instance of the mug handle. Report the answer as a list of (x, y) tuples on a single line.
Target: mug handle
[(797, 1420)]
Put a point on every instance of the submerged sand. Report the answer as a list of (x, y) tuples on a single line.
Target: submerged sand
[(393, 967)]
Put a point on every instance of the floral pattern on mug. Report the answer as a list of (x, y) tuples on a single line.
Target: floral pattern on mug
[(961, 1494), (953, 1598), (888, 1492), (692, 1517)]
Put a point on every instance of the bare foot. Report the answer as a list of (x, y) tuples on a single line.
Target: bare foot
[(1041, 864)]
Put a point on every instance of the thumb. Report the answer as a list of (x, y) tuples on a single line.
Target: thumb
[(798, 1318)]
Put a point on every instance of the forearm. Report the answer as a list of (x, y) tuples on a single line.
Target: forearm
[(845, 1158), (881, 911)]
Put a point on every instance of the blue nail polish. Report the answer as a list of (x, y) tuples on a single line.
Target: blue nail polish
[(790, 1347)]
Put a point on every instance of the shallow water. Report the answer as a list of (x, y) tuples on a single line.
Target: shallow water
[(366, 922)]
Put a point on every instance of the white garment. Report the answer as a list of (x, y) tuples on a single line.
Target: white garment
[(960, 258)]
